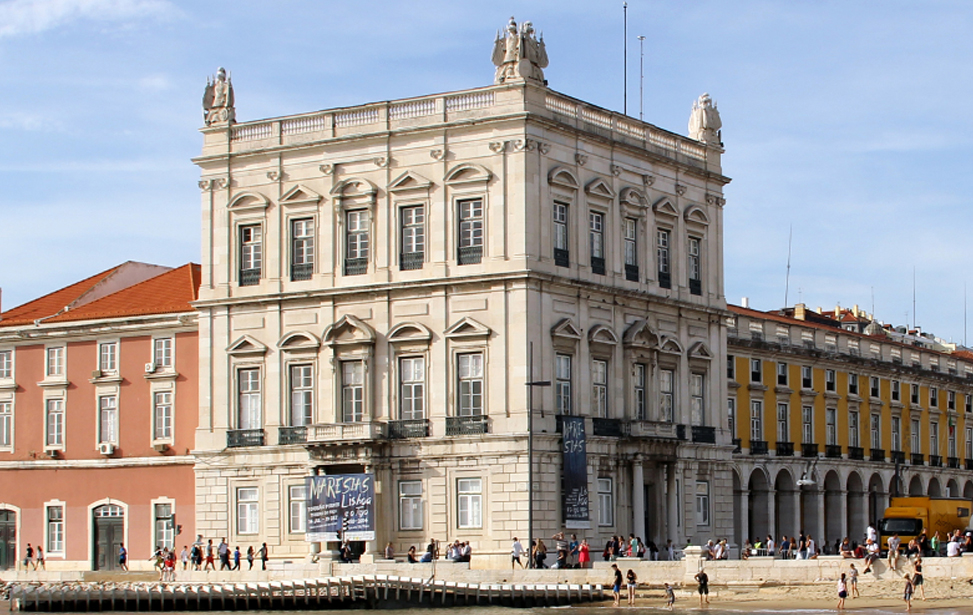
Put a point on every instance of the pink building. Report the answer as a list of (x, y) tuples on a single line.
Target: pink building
[(98, 410)]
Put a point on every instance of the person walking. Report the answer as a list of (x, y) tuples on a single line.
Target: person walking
[(250, 557), (842, 592), (224, 553), (516, 550), (907, 593), (29, 558), (853, 582), (123, 557), (209, 565), (616, 584), (670, 596), (236, 558), (631, 580), (40, 558), (184, 557), (917, 580), (264, 556), (703, 580)]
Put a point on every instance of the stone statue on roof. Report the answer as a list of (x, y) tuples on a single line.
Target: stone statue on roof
[(519, 54), (218, 100), (705, 123)]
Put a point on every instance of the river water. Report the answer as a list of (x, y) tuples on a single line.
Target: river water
[(608, 610)]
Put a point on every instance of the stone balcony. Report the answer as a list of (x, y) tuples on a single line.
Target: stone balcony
[(340, 433)]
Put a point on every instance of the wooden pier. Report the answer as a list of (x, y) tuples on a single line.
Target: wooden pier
[(324, 593)]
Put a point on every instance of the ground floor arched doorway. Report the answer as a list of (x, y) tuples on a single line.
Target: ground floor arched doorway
[(108, 535), (8, 539)]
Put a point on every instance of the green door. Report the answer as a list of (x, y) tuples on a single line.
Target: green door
[(8, 540), (109, 527)]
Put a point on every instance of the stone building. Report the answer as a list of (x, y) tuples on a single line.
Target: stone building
[(376, 279), (97, 416), (833, 413)]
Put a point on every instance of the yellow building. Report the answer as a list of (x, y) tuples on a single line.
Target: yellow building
[(832, 413)]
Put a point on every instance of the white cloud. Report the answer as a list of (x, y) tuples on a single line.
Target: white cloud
[(21, 17)]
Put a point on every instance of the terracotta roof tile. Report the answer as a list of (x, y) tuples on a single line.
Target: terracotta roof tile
[(51, 303)]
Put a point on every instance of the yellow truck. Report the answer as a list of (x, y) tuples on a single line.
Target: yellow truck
[(909, 516)]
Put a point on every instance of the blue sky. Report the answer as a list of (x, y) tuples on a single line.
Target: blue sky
[(848, 121)]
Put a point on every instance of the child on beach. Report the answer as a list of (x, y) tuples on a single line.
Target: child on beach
[(842, 592), (670, 596), (907, 595), (853, 582)]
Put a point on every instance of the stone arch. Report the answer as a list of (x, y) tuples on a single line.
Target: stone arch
[(877, 497), (934, 489), (786, 505), (740, 529), (915, 487), (758, 516), (834, 520), (856, 517), (968, 490), (952, 488)]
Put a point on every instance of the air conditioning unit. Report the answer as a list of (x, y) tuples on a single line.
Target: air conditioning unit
[(160, 447), (106, 448), (150, 368), (96, 374)]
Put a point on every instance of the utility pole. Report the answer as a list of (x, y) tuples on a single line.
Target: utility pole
[(625, 58)]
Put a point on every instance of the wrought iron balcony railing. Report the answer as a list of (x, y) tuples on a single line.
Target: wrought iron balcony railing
[(607, 427), (809, 449), (758, 447), (918, 459), (236, 438), (411, 260), (856, 453), (292, 435), (301, 271), (877, 454), (470, 255), (249, 277), (936, 461), (409, 428), (466, 425), (704, 434), (632, 273), (562, 258), (785, 449), (832, 451)]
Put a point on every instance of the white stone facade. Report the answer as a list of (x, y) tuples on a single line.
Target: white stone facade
[(403, 245)]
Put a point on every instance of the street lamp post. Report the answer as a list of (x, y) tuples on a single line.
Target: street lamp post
[(530, 451)]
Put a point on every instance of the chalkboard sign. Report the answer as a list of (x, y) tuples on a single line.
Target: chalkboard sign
[(340, 507), (575, 490)]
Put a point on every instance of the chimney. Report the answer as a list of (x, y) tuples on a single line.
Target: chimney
[(819, 310), (799, 311), (837, 311), (745, 302), (854, 311)]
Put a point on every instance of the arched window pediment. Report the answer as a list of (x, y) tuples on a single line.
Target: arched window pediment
[(354, 190), (602, 334), (560, 176), (299, 340), (696, 215), (633, 198), (349, 330), (248, 201), (467, 173), (670, 346), (640, 334), (410, 332)]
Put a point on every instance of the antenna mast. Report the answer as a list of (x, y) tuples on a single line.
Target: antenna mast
[(787, 279), (625, 58), (913, 297), (641, 77)]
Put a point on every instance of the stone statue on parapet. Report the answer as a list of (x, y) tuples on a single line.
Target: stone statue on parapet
[(218, 100), (519, 54), (705, 123)]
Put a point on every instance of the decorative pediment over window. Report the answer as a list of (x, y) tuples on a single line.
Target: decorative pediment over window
[(410, 332), (696, 215), (566, 329), (599, 188), (467, 328), (633, 198), (670, 346), (349, 330), (299, 195), (700, 351), (299, 340), (559, 176), (467, 173), (641, 335), (664, 207), (409, 181), (354, 191), (246, 345), (247, 201), (601, 334)]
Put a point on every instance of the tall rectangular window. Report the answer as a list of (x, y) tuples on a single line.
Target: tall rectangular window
[(854, 438), (702, 502), (562, 383), (162, 415), (410, 505), (876, 429), (914, 394), (969, 443), (730, 367), (162, 351), (830, 382), (756, 371), (969, 403), (731, 415), (896, 390), (352, 391), (249, 403), (470, 381), (297, 508), (55, 422), (666, 391), (638, 384), (470, 231), (915, 436), (6, 364), (783, 423), (412, 388), (853, 384), (6, 424), (807, 424), (165, 526), (896, 433), (55, 529), (831, 426), (251, 254), (933, 438), (596, 236), (561, 253), (413, 250), (807, 381), (782, 374), (108, 419), (933, 397), (695, 267), (108, 357), (469, 505), (302, 249), (951, 441), (606, 505), (356, 242), (756, 421), (630, 236), (697, 399), (662, 258), (950, 400), (247, 510), (302, 395), (599, 388), (874, 388), (55, 361)]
